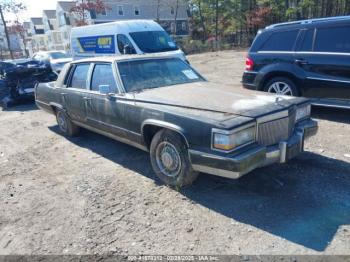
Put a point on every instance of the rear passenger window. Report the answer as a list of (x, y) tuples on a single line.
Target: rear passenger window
[(103, 75), (80, 75), (333, 39), (308, 40), (281, 41)]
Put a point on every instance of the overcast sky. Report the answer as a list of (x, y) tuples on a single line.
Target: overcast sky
[(35, 8)]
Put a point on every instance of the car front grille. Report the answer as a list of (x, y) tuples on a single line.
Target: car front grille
[(276, 130)]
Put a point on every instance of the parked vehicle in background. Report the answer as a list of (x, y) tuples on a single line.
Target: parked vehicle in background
[(162, 105), (308, 58), (18, 78), (55, 59), (122, 37)]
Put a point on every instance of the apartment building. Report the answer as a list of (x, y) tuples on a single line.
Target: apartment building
[(172, 15), (52, 31), (65, 21), (40, 41)]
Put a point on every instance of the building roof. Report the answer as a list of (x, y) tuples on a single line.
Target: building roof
[(36, 20), (51, 14), (66, 5)]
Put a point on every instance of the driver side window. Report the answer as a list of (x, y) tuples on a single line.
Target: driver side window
[(124, 45)]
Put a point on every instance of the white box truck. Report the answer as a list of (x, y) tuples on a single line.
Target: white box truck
[(122, 37)]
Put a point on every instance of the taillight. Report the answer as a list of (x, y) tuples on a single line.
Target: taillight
[(249, 64)]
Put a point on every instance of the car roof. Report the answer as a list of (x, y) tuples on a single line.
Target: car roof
[(308, 22), (111, 59)]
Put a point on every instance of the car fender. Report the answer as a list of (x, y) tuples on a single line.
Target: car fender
[(164, 124)]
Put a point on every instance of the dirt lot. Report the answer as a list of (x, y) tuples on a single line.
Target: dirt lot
[(92, 195)]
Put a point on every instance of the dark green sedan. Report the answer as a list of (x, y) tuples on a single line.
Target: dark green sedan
[(189, 125)]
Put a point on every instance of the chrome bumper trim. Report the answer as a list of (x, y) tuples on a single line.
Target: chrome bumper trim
[(247, 162)]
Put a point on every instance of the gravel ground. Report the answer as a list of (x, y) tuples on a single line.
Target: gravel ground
[(91, 195)]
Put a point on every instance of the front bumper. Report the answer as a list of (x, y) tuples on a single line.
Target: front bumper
[(238, 165)]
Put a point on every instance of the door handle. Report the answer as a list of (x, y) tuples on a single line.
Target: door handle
[(301, 62)]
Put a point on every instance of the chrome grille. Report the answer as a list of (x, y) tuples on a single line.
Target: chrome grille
[(277, 130)]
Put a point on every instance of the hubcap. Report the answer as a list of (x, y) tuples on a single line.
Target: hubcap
[(62, 123), (280, 88), (168, 159)]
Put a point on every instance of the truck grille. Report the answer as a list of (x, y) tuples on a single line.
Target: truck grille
[(277, 130)]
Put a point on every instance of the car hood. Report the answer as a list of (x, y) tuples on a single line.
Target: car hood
[(218, 98)]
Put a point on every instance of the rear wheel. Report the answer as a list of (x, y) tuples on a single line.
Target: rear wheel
[(67, 127), (281, 86), (170, 160)]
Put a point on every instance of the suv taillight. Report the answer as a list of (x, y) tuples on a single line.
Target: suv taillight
[(249, 63)]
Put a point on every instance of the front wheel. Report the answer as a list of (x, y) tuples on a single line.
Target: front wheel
[(281, 86), (170, 159)]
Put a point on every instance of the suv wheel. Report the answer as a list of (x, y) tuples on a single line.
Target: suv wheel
[(170, 159), (281, 86), (66, 126)]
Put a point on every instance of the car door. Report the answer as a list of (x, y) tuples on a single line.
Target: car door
[(76, 95), (326, 62), (107, 108)]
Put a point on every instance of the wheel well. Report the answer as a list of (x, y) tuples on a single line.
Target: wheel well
[(279, 74), (150, 130)]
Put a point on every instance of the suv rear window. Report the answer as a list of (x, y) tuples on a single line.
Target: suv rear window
[(280, 41), (333, 39)]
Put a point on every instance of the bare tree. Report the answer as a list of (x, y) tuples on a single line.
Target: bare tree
[(13, 7)]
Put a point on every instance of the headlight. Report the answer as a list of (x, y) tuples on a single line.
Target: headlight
[(303, 112), (229, 140)]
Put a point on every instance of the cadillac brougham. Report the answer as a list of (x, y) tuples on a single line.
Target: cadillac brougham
[(189, 125)]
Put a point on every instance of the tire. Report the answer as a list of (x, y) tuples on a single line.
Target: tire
[(170, 159), (277, 84), (66, 126)]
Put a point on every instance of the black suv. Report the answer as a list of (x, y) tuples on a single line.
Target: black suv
[(308, 58)]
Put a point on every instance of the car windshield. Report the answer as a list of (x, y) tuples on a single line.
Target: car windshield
[(153, 41), (146, 74), (58, 55)]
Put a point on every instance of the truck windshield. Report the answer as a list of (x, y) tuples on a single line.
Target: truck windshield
[(152, 73), (153, 41)]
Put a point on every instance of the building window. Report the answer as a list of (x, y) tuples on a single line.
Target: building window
[(104, 12), (183, 26), (120, 10), (137, 10), (66, 17), (93, 14), (172, 10)]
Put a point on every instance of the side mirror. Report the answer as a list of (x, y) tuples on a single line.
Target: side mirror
[(127, 50), (104, 89)]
